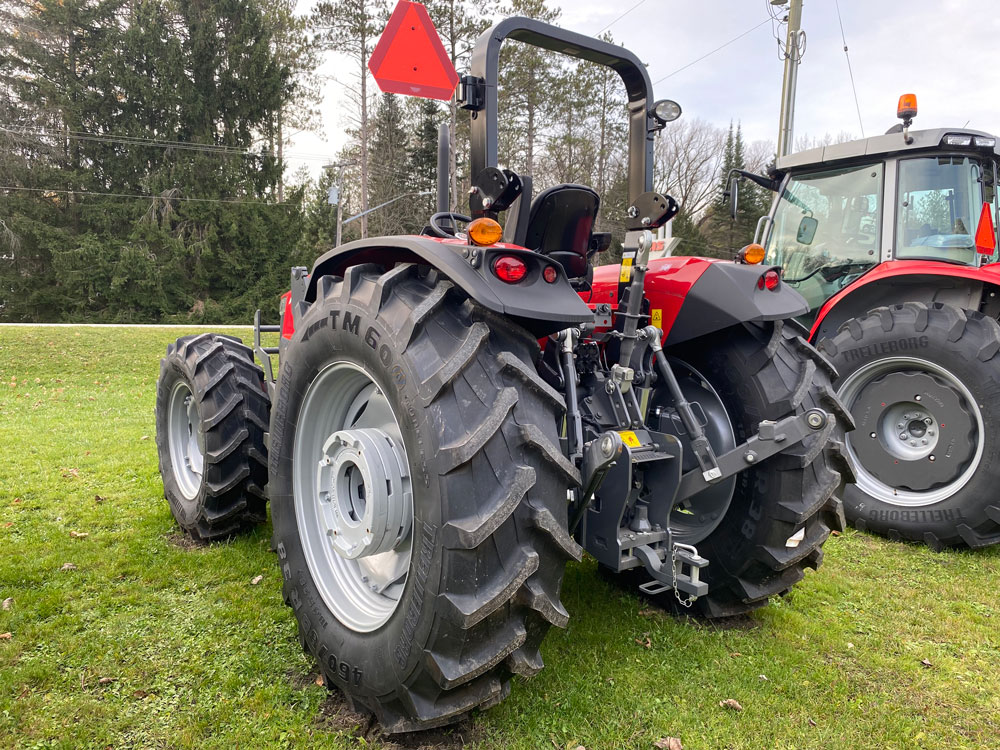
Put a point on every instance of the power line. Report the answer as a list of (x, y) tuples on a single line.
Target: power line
[(154, 143), (620, 17), (849, 70), (709, 54), (147, 197)]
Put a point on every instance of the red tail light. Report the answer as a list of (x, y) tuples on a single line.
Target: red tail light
[(287, 322), (550, 274), (769, 280), (509, 269), (986, 238)]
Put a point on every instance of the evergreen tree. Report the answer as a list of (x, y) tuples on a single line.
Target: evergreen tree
[(391, 179), (352, 28)]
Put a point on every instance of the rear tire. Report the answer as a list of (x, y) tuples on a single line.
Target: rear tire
[(487, 545), (768, 371), (939, 484), (211, 415)]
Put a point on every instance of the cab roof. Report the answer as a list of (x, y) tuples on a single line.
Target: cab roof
[(880, 146)]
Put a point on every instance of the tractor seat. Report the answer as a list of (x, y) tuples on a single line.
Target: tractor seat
[(560, 225)]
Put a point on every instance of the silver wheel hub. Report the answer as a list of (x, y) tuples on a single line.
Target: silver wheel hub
[(361, 481), (352, 496)]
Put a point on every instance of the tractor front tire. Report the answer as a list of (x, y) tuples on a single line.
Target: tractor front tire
[(401, 399), (923, 384), (212, 412)]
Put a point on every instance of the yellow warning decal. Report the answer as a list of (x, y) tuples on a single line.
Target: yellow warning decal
[(630, 439), (626, 274), (656, 317)]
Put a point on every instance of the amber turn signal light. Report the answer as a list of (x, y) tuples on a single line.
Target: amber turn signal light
[(752, 254), (484, 231)]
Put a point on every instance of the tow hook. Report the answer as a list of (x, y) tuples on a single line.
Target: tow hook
[(682, 574)]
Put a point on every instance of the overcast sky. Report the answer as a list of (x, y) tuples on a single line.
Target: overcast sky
[(944, 51)]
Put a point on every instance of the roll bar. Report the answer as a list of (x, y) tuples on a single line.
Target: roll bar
[(479, 91)]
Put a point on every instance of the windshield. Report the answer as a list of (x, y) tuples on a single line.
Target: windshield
[(940, 198), (826, 230)]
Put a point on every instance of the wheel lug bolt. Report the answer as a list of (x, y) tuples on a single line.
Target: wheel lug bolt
[(913, 442), (902, 436), (930, 432), (923, 442), (928, 420)]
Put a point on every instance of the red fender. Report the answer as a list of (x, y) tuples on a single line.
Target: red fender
[(895, 268), (668, 281)]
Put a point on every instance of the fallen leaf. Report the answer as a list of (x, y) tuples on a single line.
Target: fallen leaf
[(8, 602), (579, 747), (669, 743), (649, 612), (834, 533), (144, 437), (8, 524), (850, 645), (812, 723), (645, 642), (98, 499), (68, 566), (319, 680), (926, 663), (17, 499), (762, 677), (735, 654), (67, 473), (730, 703), (140, 694), (105, 680), (79, 534), (255, 580), (5, 636)]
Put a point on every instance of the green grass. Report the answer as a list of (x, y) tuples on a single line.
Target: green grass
[(199, 657)]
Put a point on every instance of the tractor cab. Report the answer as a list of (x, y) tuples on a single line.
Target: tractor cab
[(843, 209)]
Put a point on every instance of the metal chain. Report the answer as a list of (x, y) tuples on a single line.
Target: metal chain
[(673, 571)]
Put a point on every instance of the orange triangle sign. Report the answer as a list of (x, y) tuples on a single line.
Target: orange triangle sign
[(409, 59), (986, 238)]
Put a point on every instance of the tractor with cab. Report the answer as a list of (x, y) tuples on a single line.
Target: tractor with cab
[(458, 414), (892, 242)]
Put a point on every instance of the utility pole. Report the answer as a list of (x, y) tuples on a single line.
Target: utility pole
[(794, 43), (340, 197), (340, 204)]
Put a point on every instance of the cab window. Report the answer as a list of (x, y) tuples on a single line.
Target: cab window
[(940, 199), (826, 229)]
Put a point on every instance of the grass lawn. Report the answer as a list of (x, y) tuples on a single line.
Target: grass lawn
[(149, 642)]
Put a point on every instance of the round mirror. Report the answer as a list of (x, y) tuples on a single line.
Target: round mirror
[(666, 110)]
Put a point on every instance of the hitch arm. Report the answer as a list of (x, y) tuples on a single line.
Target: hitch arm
[(707, 462), (771, 438)]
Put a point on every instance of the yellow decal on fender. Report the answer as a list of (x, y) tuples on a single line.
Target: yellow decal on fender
[(656, 317), (626, 274), (630, 439)]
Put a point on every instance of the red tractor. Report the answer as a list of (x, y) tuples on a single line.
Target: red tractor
[(892, 242), (457, 414)]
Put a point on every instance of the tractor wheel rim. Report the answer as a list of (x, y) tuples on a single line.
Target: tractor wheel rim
[(352, 496), (186, 440), (925, 441)]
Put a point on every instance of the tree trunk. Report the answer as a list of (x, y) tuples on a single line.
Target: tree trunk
[(281, 156), (364, 135)]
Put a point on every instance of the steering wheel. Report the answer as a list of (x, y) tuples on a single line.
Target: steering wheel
[(439, 231)]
